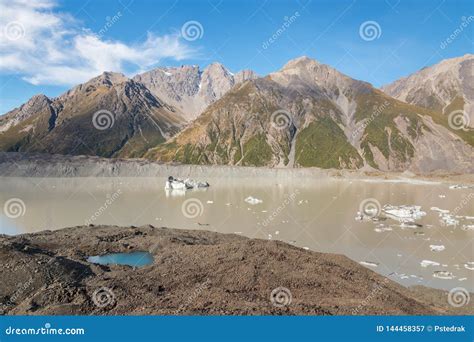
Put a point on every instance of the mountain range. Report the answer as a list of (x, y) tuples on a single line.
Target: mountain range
[(307, 114)]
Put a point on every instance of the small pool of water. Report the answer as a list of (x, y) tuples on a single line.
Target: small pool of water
[(135, 259)]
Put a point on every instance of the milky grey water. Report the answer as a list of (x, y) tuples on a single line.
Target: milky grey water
[(314, 214)]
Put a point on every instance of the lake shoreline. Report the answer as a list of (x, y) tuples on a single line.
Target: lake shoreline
[(15, 164), (195, 273)]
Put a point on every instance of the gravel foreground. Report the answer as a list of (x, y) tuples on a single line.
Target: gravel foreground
[(194, 273)]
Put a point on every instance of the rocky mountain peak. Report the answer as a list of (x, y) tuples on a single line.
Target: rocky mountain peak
[(190, 89), (304, 72), (444, 87), (300, 63), (109, 78)]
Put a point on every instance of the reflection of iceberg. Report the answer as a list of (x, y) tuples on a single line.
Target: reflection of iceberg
[(175, 192)]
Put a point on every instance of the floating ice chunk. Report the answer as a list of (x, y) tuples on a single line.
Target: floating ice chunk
[(468, 227), (277, 232), (440, 210), (306, 248), (195, 184), (411, 225), (443, 275), (426, 263), (399, 275), (415, 276), (462, 279), (437, 248), (179, 184), (368, 215), (368, 263), (469, 265), (461, 186), (442, 196), (383, 229), (253, 200), (403, 213), (210, 202), (449, 220)]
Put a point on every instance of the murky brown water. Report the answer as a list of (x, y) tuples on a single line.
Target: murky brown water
[(317, 214)]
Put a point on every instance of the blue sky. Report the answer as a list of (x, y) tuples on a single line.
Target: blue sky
[(47, 46)]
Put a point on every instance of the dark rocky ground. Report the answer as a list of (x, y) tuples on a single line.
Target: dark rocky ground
[(194, 272)]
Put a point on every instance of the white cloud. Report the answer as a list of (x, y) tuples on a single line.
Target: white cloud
[(48, 47)]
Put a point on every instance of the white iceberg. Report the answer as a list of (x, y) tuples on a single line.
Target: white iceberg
[(179, 184), (252, 200), (368, 263), (469, 265), (461, 186), (444, 211), (443, 275), (426, 263), (437, 248), (403, 213)]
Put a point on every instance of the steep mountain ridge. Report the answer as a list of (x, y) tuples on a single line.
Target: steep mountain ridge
[(109, 115), (309, 114), (191, 89), (445, 87)]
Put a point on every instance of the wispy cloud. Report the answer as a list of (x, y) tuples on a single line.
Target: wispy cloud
[(45, 46)]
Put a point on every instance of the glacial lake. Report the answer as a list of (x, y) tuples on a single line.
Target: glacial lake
[(133, 259), (315, 214)]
